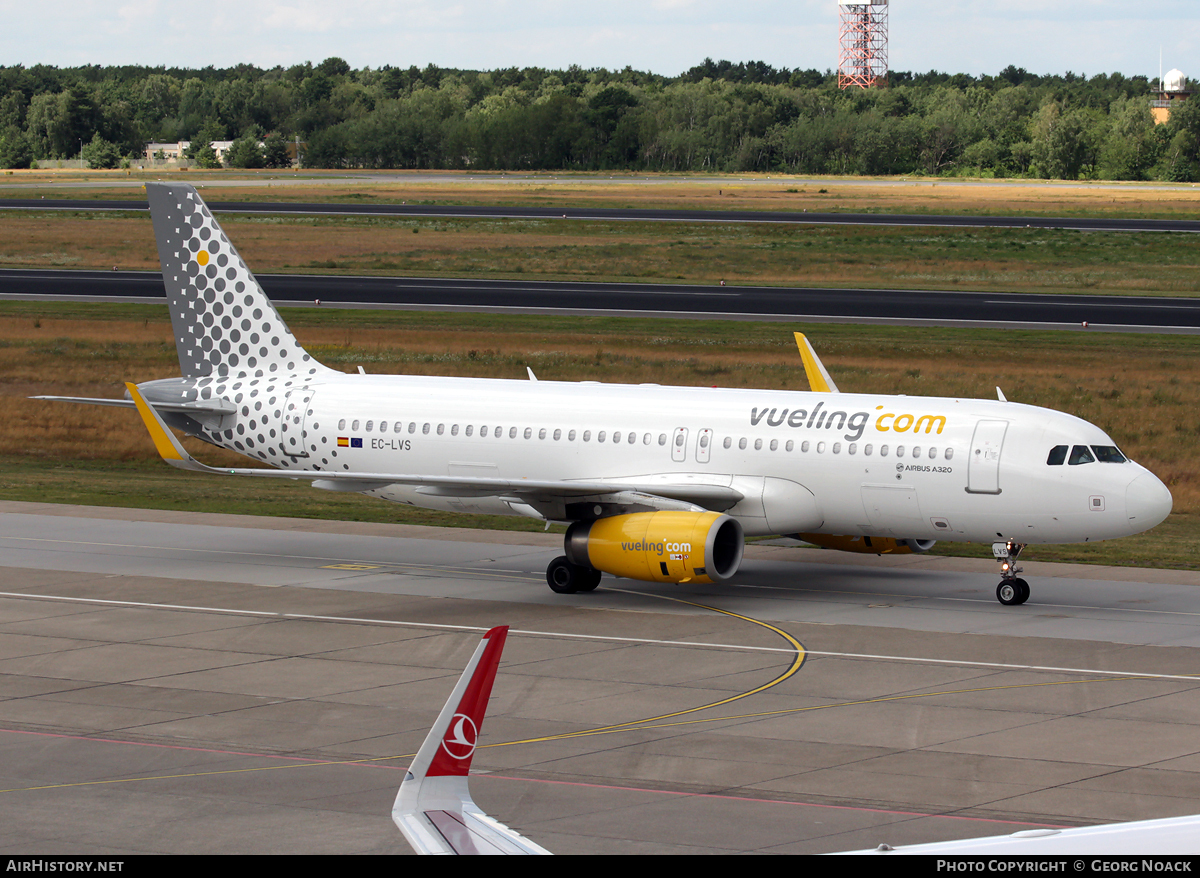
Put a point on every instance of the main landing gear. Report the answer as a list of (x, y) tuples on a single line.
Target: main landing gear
[(1011, 591), (564, 577)]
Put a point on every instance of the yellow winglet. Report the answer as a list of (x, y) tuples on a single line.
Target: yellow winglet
[(818, 378), (165, 442)]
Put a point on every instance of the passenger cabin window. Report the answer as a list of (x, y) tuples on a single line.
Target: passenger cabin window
[(1080, 454), (1058, 456)]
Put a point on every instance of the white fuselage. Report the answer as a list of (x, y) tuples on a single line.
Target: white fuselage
[(832, 463)]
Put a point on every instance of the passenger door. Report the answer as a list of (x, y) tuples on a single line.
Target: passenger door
[(983, 467)]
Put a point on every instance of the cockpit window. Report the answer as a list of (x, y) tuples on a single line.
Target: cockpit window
[(1080, 454), (1058, 455), (1108, 454)]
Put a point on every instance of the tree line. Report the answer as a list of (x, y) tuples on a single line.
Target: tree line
[(717, 116)]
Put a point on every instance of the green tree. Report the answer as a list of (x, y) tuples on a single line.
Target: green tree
[(201, 151), (15, 151), (101, 154), (1130, 147), (245, 153), (1064, 141), (275, 152)]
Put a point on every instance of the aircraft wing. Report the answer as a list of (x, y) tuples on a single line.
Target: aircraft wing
[(715, 497), (434, 808), (1168, 836)]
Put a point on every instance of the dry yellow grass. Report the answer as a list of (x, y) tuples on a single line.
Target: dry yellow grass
[(844, 256), (717, 192)]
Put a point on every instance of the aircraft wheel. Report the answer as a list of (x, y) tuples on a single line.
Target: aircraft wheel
[(589, 579), (562, 576), (1012, 592), (1024, 587)]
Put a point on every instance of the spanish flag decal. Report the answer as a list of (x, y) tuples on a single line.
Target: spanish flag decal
[(343, 442)]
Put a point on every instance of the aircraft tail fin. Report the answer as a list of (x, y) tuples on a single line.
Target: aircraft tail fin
[(818, 377), (434, 808), (223, 322)]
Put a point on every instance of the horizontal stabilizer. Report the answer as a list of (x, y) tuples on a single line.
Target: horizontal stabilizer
[(199, 409)]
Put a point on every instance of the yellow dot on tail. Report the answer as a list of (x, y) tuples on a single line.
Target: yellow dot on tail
[(202, 257)]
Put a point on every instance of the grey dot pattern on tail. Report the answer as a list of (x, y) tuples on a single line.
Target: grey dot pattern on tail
[(224, 323)]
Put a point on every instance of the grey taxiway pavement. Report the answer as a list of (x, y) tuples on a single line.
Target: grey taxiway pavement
[(176, 683)]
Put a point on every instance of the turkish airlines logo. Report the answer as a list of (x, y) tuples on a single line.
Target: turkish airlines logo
[(461, 738)]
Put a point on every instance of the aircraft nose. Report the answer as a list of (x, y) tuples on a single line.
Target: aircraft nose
[(1147, 501)]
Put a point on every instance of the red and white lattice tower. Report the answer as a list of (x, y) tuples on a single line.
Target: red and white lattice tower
[(862, 35)]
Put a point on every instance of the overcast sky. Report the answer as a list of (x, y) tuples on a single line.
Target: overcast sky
[(663, 36)]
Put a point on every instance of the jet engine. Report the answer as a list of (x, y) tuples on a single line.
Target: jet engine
[(668, 546), (868, 545)]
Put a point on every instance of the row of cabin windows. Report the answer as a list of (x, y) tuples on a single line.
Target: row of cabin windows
[(484, 431), (851, 448), (647, 438), (1082, 454)]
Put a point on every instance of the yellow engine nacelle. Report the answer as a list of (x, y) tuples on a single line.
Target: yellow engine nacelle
[(867, 545), (659, 546)]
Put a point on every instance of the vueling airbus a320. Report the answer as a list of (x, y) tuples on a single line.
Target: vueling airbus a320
[(656, 483)]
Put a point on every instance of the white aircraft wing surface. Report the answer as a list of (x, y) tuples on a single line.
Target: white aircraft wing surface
[(1168, 836)]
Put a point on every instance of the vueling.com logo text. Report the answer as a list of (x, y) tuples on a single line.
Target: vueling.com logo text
[(903, 422), (656, 548), (854, 423)]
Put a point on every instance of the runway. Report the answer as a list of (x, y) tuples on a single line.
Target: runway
[(604, 214), (174, 682), (905, 307)]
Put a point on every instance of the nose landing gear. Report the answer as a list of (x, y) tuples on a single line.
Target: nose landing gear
[(1011, 591)]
